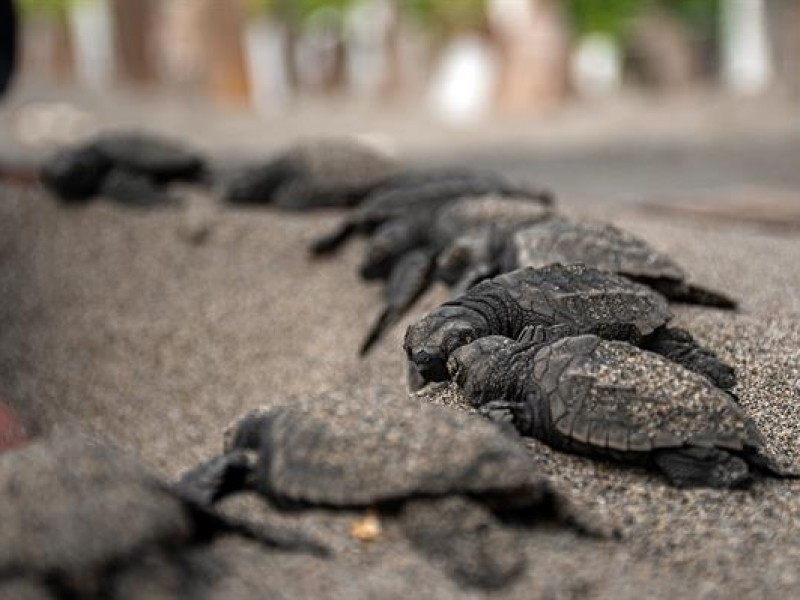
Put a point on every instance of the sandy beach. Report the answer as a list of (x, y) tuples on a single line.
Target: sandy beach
[(118, 323)]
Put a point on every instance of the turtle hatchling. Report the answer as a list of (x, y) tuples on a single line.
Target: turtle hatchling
[(447, 477), (481, 254), (132, 168), (77, 514), (560, 301), (312, 173), (419, 192), (606, 398), (405, 249)]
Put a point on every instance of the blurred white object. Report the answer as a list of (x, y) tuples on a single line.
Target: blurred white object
[(746, 58), (90, 22), (367, 26), (596, 66), (319, 52), (41, 124), (464, 81), (265, 51)]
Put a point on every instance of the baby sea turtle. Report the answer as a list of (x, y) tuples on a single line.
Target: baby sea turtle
[(419, 193), (564, 300), (77, 513), (313, 173), (132, 168), (591, 396), (406, 248), (481, 254), (446, 476)]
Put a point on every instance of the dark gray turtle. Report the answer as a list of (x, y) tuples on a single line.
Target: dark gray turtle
[(77, 513), (132, 168), (447, 476), (313, 173), (419, 193), (481, 254), (592, 396), (564, 299), (435, 227), (406, 248)]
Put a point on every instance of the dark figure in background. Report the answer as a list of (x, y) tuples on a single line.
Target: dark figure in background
[(8, 43)]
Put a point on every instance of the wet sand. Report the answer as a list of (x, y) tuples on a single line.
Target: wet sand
[(115, 322)]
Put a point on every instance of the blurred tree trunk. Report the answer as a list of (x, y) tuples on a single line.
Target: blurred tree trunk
[(532, 36), (63, 58), (134, 26), (783, 20), (222, 30), (661, 52), (393, 82)]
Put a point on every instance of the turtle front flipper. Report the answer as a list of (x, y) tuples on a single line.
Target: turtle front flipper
[(680, 291), (410, 277), (331, 242), (216, 478), (463, 536), (473, 277), (133, 189), (703, 467), (679, 346), (541, 334)]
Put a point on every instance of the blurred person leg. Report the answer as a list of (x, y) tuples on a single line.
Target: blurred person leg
[(533, 38), (133, 40)]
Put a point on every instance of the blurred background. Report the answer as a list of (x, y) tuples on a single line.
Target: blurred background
[(472, 77)]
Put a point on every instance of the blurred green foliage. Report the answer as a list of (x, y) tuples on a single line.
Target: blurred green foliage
[(46, 7), (610, 17), (295, 11), (615, 17), (701, 15), (447, 14)]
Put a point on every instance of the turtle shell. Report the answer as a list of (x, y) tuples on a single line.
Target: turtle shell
[(340, 162), (401, 201), (492, 209), (159, 157), (612, 397), (588, 300), (597, 245), (340, 452), (73, 505)]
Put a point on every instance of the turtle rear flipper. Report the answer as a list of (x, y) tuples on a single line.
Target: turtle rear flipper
[(679, 346), (410, 277), (687, 293), (542, 499), (133, 189), (773, 465), (272, 536), (466, 538), (703, 467)]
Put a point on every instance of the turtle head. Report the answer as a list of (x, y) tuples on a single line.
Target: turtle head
[(478, 368), (385, 247), (429, 342), (460, 256), (76, 173)]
